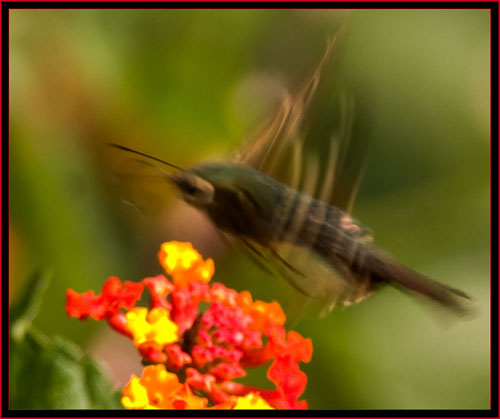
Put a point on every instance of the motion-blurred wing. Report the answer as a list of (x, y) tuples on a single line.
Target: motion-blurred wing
[(280, 135), (142, 185), (314, 112), (285, 130)]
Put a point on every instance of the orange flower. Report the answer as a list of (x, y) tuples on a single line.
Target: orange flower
[(262, 313)]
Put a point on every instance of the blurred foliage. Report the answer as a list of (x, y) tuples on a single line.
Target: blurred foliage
[(189, 85), (51, 373)]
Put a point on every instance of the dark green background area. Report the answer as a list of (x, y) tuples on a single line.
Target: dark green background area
[(190, 85)]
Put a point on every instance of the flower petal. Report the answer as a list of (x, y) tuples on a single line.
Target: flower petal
[(184, 263), (151, 326), (251, 401), (159, 287), (113, 297)]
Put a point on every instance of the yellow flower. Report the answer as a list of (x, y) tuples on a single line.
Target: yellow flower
[(184, 263), (135, 395), (159, 389), (251, 401), (152, 326)]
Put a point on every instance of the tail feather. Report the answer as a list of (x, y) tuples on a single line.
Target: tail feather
[(385, 269)]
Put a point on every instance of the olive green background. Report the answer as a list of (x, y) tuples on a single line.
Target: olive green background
[(190, 85)]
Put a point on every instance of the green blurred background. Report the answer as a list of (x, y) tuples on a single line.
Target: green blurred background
[(188, 86)]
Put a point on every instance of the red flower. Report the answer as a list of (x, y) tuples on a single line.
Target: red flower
[(176, 357), (290, 383), (159, 287), (106, 305)]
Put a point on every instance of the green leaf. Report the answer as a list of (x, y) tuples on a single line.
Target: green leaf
[(24, 311), (54, 374), (51, 373), (99, 388)]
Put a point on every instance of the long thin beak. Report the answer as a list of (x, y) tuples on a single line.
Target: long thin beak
[(130, 150)]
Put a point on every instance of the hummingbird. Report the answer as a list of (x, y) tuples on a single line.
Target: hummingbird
[(270, 201)]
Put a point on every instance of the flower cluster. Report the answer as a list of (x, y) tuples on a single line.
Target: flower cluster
[(198, 338)]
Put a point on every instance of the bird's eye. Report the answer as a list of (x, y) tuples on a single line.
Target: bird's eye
[(189, 189)]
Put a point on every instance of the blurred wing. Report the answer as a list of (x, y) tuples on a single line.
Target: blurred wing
[(313, 112), (142, 185), (345, 161), (280, 134), (333, 177)]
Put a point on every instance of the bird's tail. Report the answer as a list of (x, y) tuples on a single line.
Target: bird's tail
[(387, 270)]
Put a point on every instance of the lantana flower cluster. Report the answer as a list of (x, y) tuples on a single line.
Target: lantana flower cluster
[(198, 338)]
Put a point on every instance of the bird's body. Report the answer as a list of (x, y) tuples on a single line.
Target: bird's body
[(267, 214), (304, 229)]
